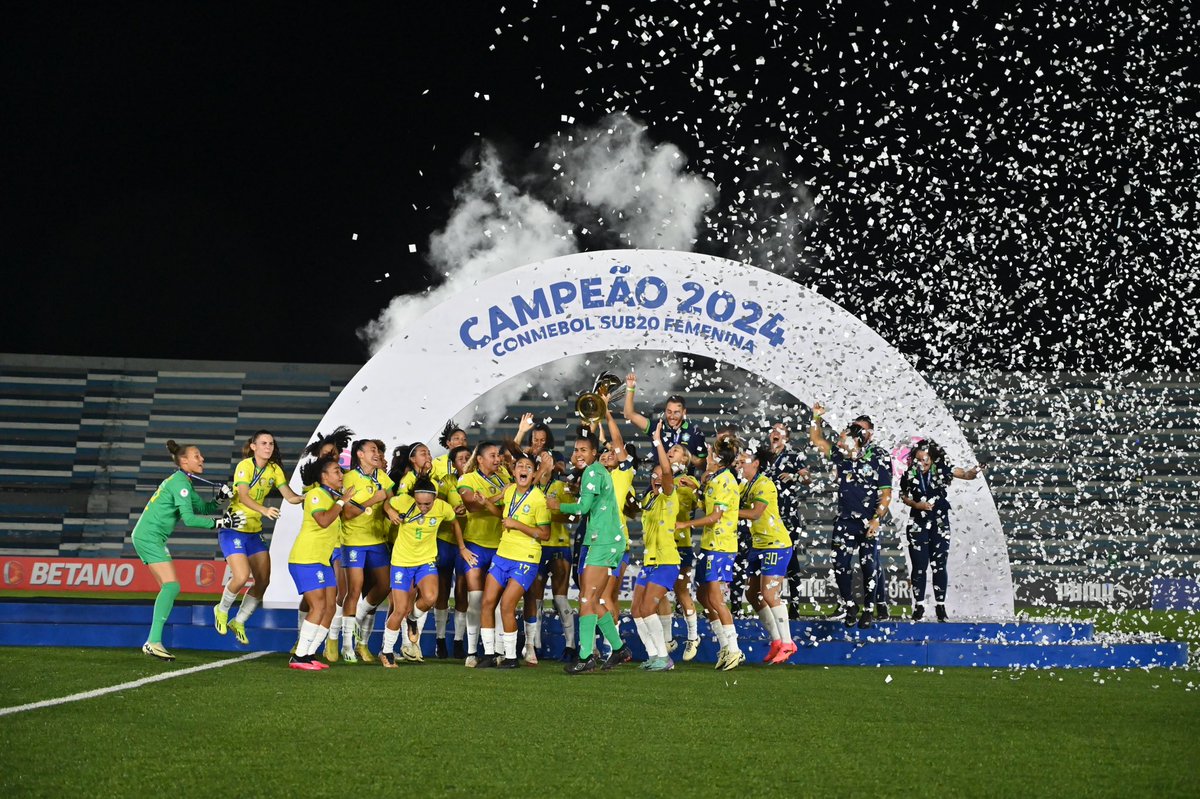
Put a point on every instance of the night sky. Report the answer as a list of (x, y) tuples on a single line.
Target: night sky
[(1011, 189)]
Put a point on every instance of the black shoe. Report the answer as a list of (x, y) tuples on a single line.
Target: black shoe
[(460, 649), (850, 615), (509, 663), (440, 649), (881, 612), (570, 654), (618, 656), (940, 609), (864, 621), (585, 666), (485, 661), (918, 613), (838, 613)]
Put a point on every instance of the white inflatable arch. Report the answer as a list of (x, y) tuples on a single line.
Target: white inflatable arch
[(673, 301)]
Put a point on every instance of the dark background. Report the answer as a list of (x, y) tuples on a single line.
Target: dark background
[(178, 177)]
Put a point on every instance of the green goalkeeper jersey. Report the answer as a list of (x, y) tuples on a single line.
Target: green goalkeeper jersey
[(176, 499), (599, 502)]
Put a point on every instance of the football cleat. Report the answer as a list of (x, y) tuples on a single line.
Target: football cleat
[(348, 655), (485, 661), (471, 662), (570, 654), (220, 619), (721, 656), (733, 660), (387, 660), (530, 656), (672, 645), (302, 664), (364, 654), (587, 665), (618, 656), (661, 664), (239, 632), (412, 653), (157, 651), (509, 663), (331, 650), (864, 621), (440, 650), (690, 649), (881, 612), (918, 613), (785, 653), (850, 617), (776, 645), (940, 610)]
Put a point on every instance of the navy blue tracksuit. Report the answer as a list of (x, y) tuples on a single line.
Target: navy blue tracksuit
[(859, 483)]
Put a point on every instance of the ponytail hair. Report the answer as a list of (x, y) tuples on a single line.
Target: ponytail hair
[(246, 451), (311, 471), (177, 450), (450, 429), (424, 485), (339, 438)]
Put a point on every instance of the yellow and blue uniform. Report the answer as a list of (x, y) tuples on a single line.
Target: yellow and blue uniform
[(247, 539), (686, 490), (482, 531), (414, 555), (447, 543), (364, 538), (558, 547), (660, 561), (519, 554), (770, 541), (309, 560), (718, 542)]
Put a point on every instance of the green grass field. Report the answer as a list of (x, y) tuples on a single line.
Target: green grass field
[(258, 729)]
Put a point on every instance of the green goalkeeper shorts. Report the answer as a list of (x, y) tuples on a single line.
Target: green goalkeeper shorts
[(607, 555), (151, 550)]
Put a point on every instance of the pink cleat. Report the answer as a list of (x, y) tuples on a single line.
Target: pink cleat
[(773, 652), (785, 653), (304, 664)]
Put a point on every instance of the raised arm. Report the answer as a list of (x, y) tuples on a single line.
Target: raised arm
[(614, 435), (816, 435), (967, 474), (631, 415), (664, 463), (523, 427)]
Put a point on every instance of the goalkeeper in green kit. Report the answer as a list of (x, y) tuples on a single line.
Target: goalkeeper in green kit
[(175, 500), (605, 543)]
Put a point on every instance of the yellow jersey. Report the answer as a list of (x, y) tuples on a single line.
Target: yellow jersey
[(371, 526), (526, 507), (721, 492), (416, 539), (259, 483), (314, 543), (448, 492), (767, 531), (482, 528), (440, 468), (560, 533), (685, 490), (659, 512), (622, 480)]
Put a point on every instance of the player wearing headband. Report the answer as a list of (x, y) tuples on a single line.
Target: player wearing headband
[(660, 563), (687, 491), (175, 500), (258, 475), (480, 488), (365, 546), (526, 521), (332, 445)]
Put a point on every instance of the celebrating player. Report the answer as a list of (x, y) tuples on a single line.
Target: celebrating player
[(606, 548), (555, 566), (676, 427), (365, 546), (331, 445), (687, 490), (660, 563), (175, 500), (481, 488), (514, 567), (243, 548), (770, 552), (452, 437), (309, 560)]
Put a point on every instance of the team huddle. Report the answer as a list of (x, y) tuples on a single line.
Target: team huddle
[(494, 525)]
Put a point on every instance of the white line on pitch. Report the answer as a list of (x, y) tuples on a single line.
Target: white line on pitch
[(125, 686)]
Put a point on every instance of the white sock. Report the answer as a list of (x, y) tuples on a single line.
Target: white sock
[(361, 612), (530, 636), (767, 619), (783, 623), (440, 617), (667, 622), (227, 599), (499, 617), (655, 631), (474, 617), (418, 616), (510, 645), (487, 636), (460, 625), (249, 605), (301, 615), (567, 616), (335, 626), (731, 637), (537, 632), (347, 636), (321, 633), (390, 637), (719, 631), (691, 620), (308, 638), (644, 635)]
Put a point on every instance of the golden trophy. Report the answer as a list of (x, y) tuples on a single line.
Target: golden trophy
[(592, 406)]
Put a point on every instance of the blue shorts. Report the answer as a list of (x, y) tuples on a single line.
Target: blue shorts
[(405, 578), (715, 567), (373, 557), (659, 575), (551, 554), (311, 576), (234, 543), (482, 553), (505, 569), (447, 555), (769, 562), (335, 557), (687, 558)]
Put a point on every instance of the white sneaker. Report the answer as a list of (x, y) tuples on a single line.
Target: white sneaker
[(412, 653), (531, 656), (471, 662), (672, 645), (721, 656), (733, 660), (690, 649)]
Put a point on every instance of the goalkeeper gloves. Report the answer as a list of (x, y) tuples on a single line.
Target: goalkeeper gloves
[(232, 520)]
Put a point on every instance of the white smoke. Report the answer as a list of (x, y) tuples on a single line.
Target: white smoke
[(612, 173)]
